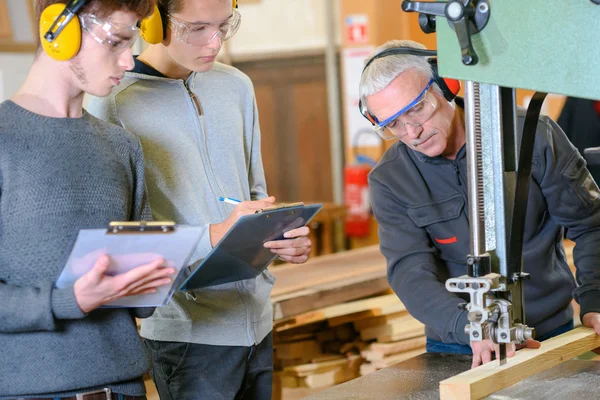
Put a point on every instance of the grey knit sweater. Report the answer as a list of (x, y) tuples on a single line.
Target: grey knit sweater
[(57, 176)]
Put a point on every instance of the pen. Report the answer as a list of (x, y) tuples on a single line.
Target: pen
[(229, 200)]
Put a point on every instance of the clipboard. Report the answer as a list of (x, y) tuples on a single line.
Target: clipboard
[(240, 254), (130, 245)]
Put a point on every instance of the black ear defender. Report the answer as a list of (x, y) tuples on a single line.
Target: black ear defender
[(450, 87)]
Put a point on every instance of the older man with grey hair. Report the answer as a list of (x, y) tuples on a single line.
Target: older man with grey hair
[(419, 197)]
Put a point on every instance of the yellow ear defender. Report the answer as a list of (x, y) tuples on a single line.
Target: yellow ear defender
[(151, 28), (60, 31)]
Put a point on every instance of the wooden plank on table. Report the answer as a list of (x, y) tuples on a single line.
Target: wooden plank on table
[(401, 325), (379, 351), (373, 303), (326, 269), (491, 377), (321, 296)]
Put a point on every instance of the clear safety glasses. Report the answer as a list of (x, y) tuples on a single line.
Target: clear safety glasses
[(201, 34), (414, 114), (116, 36)]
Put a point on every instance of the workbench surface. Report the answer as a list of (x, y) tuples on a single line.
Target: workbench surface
[(419, 378)]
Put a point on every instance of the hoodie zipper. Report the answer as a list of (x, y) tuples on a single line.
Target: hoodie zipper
[(194, 98)]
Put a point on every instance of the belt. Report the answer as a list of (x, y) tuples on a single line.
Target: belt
[(102, 394)]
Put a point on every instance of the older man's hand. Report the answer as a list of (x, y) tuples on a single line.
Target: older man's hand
[(592, 320)]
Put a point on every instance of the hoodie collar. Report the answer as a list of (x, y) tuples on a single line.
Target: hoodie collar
[(144, 69)]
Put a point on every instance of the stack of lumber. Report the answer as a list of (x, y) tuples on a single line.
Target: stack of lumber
[(327, 280), (330, 316), (335, 344), (322, 373), (382, 355)]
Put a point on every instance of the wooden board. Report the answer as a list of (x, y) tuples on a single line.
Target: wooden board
[(401, 326), (304, 349), (313, 368), (335, 372), (368, 315), (396, 358), (360, 324), (491, 377), (408, 334), (320, 296), (373, 303), (379, 351), (388, 319), (327, 269)]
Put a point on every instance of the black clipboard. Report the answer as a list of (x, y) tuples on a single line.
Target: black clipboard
[(240, 254)]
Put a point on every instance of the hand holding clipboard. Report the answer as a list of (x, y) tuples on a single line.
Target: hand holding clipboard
[(96, 288), (133, 274), (241, 253), (294, 247)]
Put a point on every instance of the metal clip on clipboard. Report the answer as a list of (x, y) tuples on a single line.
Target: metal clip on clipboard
[(280, 206), (117, 227)]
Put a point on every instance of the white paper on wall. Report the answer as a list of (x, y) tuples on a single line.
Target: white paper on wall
[(354, 123)]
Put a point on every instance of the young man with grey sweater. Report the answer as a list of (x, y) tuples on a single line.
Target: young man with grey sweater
[(62, 170), (198, 124)]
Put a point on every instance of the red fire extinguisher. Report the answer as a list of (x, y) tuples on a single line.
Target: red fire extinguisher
[(356, 197)]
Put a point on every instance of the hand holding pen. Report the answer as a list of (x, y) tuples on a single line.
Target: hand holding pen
[(230, 200), (217, 231)]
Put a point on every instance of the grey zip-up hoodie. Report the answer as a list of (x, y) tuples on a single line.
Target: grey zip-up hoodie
[(201, 140), (421, 206)]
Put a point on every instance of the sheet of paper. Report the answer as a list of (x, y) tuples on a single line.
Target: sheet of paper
[(130, 250)]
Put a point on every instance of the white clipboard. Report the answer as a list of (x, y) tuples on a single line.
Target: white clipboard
[(130, 245)]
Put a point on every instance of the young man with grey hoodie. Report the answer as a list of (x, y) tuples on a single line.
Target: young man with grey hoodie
[(198, 124)]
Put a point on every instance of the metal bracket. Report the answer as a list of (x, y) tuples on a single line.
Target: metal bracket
[(465, 17)]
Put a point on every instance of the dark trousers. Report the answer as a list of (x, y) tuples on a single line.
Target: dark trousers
[(189, 371), (434, 346)]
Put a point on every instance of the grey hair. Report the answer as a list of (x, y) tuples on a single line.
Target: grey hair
[(383, 71)]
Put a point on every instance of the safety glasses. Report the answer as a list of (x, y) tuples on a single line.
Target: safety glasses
[(115, 36), (414, 114), (201, 34)]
